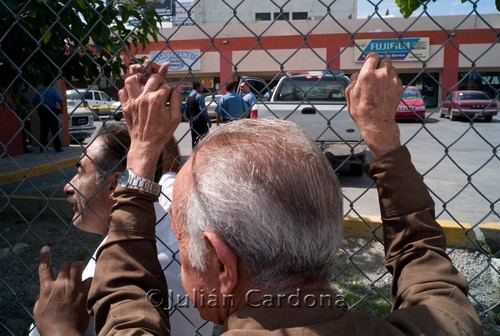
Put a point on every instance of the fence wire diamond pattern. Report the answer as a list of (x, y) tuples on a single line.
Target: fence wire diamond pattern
[(458, 161)]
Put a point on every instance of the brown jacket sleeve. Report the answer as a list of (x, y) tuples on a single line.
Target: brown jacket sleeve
[(428, 292), (129, 291)]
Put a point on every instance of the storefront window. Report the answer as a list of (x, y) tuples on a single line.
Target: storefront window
[(488, 82), (426, 83)]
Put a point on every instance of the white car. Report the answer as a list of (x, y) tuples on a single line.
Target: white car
[(81, 124), (316, 102), (98, 101)]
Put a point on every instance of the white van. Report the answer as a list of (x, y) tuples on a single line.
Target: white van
[(81, 124), (96, 100)]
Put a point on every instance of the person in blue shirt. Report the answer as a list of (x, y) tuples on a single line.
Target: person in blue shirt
[(231, 105), (24, 115), (248, 95), (269, 94), (46, 101), (197, 113)]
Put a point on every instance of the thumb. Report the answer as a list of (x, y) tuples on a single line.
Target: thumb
[(350, 88), (45, 268), (163, 71)]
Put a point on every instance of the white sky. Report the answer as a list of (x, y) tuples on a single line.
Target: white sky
[(440, 7)]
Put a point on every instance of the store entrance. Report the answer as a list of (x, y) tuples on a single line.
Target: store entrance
[(426, 83)]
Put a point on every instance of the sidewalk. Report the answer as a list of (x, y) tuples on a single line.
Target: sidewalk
[(29, 165), (31, 184)]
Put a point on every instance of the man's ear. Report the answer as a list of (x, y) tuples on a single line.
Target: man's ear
[(113, 181), (226, 262)]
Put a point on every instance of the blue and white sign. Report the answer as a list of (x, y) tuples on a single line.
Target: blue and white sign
[(181, 60), (396, 49)]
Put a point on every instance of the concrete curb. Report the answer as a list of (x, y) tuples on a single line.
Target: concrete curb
[(456, 235), (491, 232), (462, 235), (355, 226), (19, 175)]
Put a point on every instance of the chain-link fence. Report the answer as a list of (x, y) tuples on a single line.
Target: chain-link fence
[(454, 139)]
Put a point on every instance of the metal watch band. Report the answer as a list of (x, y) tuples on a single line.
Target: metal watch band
[(145, 185), (132, 181)]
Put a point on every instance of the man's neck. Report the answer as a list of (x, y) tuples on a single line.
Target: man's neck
[(249, 295)]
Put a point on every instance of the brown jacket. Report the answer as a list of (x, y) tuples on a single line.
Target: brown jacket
[(429, 295)]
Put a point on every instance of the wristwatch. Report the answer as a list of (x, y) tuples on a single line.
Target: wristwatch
[(131, 181)]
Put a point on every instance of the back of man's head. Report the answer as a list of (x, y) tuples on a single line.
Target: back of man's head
[(115, 141), (267, 190), (230, 86), (197, 86)]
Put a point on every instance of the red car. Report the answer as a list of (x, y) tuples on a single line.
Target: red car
[(468, 103), (412, 106)]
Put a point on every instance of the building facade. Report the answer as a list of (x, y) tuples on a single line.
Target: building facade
[(460, 51), (444, 53), (215, 12)]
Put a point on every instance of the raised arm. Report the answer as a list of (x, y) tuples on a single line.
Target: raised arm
[(129, 291), (429, 295)]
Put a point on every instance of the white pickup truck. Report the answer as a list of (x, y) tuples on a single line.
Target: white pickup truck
[(317, 104)]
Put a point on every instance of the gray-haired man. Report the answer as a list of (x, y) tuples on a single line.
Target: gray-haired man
[(257, 214)]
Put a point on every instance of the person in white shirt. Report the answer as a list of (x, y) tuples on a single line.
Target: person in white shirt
[(90, 192)]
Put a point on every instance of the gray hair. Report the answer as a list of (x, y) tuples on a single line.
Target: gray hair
[(268, 191)]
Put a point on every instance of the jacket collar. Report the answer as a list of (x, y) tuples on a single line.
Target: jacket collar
[(285, 311)]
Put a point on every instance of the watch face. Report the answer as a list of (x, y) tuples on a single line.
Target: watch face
[(123, 180)]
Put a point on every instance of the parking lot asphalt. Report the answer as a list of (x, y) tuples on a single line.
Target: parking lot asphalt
[(34, 181)]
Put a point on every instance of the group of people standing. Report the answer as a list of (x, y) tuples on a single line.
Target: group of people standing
[(231, 106)]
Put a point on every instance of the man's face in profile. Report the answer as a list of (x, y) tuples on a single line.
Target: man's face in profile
[(91, 201), (244, 88)]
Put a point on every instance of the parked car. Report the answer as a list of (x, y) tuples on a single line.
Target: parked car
[(211, 103), (81, 124), (96, 100), (316, 102), (259, 87), (412, 105), (468, 103)]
